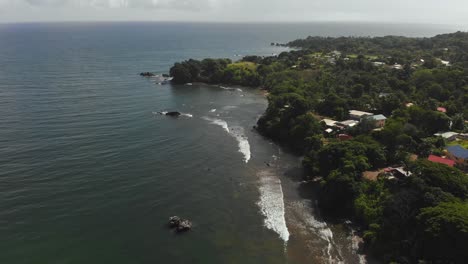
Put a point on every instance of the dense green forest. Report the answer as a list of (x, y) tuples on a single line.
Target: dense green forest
[(419, 84)]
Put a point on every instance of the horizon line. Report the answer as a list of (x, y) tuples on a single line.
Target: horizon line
[(239, 22)]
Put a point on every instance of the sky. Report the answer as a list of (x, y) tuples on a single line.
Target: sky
[(450, 12)]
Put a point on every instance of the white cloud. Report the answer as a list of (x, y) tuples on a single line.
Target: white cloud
[(404, 11)]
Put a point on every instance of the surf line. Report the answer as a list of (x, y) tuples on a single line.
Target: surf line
[(237, 133)]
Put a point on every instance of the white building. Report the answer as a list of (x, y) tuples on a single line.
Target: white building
[(358, 115)]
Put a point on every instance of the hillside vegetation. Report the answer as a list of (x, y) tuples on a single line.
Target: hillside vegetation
[(419, 84)]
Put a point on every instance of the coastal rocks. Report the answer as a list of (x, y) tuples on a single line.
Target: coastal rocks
[(180, 225), (174, 221), (173, 114), (147, 74)]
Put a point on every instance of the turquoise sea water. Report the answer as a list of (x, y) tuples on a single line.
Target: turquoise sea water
[(89, 172)]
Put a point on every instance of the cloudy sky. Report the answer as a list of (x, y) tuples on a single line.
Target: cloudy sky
[(406, 11)]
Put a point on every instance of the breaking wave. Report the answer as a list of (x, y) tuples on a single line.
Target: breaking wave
[(187, 115), (271, 204), (237, 133), (320, 228)]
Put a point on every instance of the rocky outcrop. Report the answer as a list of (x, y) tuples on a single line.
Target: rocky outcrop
[(174, 221), (173, 114), (147, 74), (184, 225), (180, 225)]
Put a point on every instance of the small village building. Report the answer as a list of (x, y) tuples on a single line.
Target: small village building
[(399, 172), (445, 63), (458, 154), (442, 109), (397, 66), (344, 137), (450, 136), (329, 122), (409, 104), (378, 63), (358, 115), (379, 120), (348, 123), (336, 53), (441, 160)]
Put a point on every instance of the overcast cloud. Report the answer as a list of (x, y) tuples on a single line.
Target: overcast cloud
[(404, 11)]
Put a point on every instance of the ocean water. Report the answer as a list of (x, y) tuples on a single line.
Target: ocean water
[(90, 172)]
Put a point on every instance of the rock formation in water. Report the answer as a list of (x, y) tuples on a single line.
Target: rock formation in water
[(180, 225), (173, 114), (147, 74)]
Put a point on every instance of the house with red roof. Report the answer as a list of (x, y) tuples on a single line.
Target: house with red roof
[(442, 109), (441, 160)]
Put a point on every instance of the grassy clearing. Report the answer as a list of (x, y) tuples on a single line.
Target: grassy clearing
[(461, 142), (244, 64)]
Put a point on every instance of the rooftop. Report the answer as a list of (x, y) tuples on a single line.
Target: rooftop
[(446, 134), (329, 122), (441, 160), (359, 113), (349, 123), (442, 109), (458, 151), (378, 117)]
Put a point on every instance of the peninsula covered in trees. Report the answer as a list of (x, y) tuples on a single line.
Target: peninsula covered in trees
[(381, 125)]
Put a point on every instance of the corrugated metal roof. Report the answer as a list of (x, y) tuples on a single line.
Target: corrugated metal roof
[(441, 160), (458, 151)]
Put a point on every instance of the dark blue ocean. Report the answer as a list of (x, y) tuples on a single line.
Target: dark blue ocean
[(90, 173)]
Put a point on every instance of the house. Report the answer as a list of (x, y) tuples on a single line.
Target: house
[(398, 172), (379, 120), (445, 63), (458, 154), (450, 136), (442, 109), (397, 66), (344, 137), (358, 115), (441, 160), (378, 63), (335, 53), (347, 123), (409, 104), (329, 122)]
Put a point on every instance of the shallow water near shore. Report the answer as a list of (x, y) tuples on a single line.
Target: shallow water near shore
[(90, 172)]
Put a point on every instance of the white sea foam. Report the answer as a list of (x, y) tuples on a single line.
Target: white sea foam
[(187, 115), (226, 88), (212, 110), (239, 89), (303, 208), (355, 241), (229, 107), (244, 145), (237, 133), (271, 204), (218, 122)]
